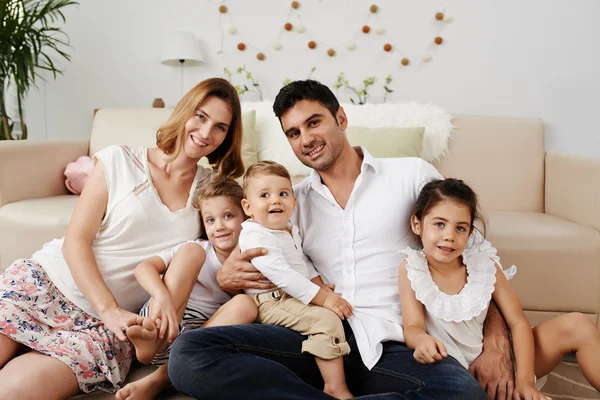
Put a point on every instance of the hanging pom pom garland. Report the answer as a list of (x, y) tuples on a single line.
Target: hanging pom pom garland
[(294, 25)]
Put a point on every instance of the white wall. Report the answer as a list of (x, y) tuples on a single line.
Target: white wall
[(535, 58)]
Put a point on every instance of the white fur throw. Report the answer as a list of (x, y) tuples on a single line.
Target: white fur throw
[(273, 145)]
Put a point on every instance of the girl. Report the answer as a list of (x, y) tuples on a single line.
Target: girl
[(445, 292), (189, 291), (64, 311)]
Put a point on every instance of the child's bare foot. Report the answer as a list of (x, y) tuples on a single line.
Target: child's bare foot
[(144, 337), (146, 388), (338, 391)]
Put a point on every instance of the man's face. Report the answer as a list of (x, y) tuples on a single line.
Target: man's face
[(316, 137)]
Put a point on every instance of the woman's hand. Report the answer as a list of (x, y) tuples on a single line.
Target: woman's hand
[(338, 305), (238, 273), (165, 317), (429, 350), (117, 320)]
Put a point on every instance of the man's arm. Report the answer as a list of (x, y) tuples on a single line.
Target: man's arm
[(238, 273), (494, 367)]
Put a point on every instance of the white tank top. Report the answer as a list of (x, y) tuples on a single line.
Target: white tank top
[(206, 296), (137, 225)]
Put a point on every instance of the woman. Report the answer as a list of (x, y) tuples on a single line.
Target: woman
[(64, 311)]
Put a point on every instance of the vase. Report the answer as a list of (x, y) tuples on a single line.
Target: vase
[(158, 103)]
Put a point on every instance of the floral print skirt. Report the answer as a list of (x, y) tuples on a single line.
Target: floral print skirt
[(35, 313)]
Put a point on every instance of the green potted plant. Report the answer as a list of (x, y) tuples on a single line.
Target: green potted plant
[(29, 38)]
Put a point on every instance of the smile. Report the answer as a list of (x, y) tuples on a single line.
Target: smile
[(446, 249), (198, 142), (315, 150), (277, 210)]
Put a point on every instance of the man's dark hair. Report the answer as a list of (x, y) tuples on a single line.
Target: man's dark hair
[(309, 89)]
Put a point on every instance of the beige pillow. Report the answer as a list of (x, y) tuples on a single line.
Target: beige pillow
[(388, 142), (249, 154)]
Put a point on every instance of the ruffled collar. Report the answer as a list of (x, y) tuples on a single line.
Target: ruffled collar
[(473, 299)]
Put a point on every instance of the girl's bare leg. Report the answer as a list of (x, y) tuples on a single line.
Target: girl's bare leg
[(144, 335), (148, 387), (37, 376), (332, 372), (9, 349), (241, 309), (562, 335)]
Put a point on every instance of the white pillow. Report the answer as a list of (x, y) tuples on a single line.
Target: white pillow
[(437, 122)]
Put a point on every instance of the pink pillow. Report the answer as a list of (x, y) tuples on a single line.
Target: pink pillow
[(77, 174)]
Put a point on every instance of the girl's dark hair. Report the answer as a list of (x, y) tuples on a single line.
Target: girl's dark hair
[(214, 185), (453, 189)]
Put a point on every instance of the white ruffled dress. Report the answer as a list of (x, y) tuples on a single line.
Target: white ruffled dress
[(457, 319)]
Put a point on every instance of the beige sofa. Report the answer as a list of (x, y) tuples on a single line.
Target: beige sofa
[(543, 208)]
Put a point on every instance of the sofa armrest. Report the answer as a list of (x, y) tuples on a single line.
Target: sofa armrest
[(573, 188), (33, 169)]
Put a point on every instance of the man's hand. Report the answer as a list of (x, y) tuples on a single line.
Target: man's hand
[(495, 372), (238, 273), (494, 367)]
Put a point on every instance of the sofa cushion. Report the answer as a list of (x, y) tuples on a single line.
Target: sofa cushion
[(557, 260), (501, 158), (28, 224), (388, 142)]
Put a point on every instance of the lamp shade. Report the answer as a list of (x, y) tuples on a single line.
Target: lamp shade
[(181, 47)]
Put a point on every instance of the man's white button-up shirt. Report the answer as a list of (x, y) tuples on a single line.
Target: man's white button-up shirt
[(356, 248)]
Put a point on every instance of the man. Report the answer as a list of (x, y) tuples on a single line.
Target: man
[(353, 213)]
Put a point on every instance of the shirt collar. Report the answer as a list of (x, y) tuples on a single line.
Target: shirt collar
[(314, 178), (253, 226)]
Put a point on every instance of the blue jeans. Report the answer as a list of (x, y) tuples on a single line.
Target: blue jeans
[(264, 362)]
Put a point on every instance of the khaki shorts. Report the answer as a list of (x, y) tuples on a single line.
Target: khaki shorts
[(323, 327)]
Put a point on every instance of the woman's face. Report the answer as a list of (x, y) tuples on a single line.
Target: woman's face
[(207, 129)]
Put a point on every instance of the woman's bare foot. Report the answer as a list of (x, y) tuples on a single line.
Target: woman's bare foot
[(144, 337), (146, 388), (338, 391)]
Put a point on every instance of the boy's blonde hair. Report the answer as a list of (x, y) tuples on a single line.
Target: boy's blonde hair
[(264, 168), (214, 185)]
